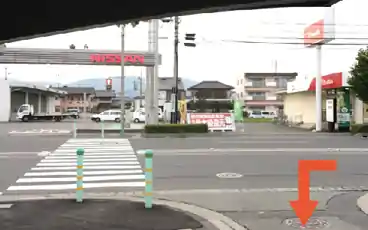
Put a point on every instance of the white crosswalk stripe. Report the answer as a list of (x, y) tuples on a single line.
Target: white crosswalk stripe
[(108, 163)]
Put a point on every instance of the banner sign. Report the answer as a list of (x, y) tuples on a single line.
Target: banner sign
[(215, 121)]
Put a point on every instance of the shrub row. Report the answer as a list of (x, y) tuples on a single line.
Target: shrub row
[(176, 128)]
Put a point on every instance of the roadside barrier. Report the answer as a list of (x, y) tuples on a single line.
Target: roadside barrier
[(148, 179), (79, 188)]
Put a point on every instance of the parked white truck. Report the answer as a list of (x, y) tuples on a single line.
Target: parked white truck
[(26, 113)]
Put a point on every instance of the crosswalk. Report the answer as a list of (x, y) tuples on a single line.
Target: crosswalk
[(108, 163)]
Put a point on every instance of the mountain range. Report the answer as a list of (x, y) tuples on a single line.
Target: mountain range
[(131, 84)]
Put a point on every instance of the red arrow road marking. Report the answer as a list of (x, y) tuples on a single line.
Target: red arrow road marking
[(304, 207)]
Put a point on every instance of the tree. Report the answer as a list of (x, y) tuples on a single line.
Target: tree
[(72, 47), (359, 75)]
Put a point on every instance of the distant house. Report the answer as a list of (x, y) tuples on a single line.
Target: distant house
[(210, 90), (102, 100), (76, 98), (165, 90)]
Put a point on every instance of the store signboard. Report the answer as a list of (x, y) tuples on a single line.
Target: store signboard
[(330, 110), (215, 121)]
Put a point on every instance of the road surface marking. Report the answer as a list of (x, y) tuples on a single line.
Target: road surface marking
[(4, 206), (73, 173), (47, 160), (104, 149), (85, 178), (135, 162), (88, 153), (74, 186), (92, 157), (264, 142), (87, 167), (112, 164)]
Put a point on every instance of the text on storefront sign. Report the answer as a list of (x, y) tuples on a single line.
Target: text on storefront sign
[(115, 58)]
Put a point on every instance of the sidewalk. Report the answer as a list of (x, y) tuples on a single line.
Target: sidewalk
[(108, 211), (106, 214)]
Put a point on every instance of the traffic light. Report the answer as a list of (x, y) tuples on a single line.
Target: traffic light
[(190, 38), (108, 84)]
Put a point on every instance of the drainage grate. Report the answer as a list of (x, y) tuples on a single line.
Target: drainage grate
[(313, 223)]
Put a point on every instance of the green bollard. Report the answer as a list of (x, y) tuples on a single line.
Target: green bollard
[(148, 179), (79, 189)]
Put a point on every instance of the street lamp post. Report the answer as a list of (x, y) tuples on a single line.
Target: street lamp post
[(122, 93)]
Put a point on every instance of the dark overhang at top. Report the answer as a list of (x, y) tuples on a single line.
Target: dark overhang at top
[(30, 19)]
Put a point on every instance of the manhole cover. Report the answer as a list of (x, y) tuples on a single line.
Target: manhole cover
[(228, 175), (313, 223)]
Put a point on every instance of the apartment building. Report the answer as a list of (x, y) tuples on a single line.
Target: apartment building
[(76, 98), (258, 90)]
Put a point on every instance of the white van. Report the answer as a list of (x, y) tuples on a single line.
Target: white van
[(140, 115), (262, 114), (108, 115)]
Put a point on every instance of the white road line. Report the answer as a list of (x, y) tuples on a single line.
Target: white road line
[(264, 142), (94, 153), (73, 173), (74, 186), (88, 163), (106, 140), (19, 153), (97, 145), (86, 178), (87, 167), (89, 160), (5, 206), (92, 157), (94, 150)]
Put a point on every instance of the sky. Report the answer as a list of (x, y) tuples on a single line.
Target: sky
[(217, 56)]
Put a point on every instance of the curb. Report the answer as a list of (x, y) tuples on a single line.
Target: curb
[(362, 203), (218, 220)]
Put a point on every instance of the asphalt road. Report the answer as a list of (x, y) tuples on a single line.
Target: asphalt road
[(266, 159)]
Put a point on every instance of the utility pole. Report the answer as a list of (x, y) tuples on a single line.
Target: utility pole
[(140, 89), (122, 79), (176, 68)]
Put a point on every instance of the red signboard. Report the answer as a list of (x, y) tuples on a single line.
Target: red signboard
[(213, 120), (330, 81), (115, 59), (315, 33)]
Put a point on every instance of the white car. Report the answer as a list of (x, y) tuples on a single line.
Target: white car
[(108, 115), (262, 114)]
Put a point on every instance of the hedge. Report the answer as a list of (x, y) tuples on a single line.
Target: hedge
[(176, 128), (359, 128)]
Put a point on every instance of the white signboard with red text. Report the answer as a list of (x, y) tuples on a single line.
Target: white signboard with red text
[(215, 121)]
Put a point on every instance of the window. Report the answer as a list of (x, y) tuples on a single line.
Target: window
[(265, 113), (256, 113), (241, 94), (237, 82), (105, 113), (116, 113)]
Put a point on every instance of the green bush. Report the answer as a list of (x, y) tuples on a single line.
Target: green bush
[(176, 128), (359, 128)]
